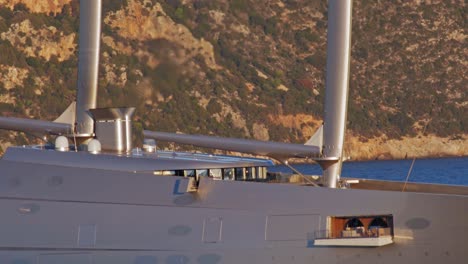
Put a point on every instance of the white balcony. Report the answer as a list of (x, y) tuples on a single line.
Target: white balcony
[(354, 238)]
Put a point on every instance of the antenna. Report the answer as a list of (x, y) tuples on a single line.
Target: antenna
[(88, 65), (337, 84)]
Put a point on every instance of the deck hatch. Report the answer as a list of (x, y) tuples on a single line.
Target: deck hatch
[(87, 235), (212, 229)]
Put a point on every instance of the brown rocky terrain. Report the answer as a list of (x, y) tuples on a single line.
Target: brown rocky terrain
[(44, 43), (406, 147), (250, 69), (43, 6)]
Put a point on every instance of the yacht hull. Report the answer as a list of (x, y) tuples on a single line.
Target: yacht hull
[(54, 214)]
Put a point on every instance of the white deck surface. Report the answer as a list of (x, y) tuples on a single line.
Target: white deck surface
[(355, 242)]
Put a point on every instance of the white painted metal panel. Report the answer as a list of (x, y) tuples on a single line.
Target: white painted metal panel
[(290, 227), (64, 258)]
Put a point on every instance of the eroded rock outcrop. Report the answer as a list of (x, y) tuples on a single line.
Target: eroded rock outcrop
[(35, 6), (142, 21), (44, 42)]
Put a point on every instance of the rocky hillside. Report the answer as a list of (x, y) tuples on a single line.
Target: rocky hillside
[(252, 69)]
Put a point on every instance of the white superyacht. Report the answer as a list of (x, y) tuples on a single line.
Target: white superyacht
[(92, 198)]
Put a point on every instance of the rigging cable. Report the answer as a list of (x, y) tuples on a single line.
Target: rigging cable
[(409, 173), (74, 138), (412, 163), (299, 173)]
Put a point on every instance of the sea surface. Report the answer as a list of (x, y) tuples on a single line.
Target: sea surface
[(452, 171)]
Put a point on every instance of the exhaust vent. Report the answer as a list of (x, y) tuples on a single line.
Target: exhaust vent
[(113, 128)]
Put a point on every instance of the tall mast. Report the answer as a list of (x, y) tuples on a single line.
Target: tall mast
[(337, 82), (88, 65)]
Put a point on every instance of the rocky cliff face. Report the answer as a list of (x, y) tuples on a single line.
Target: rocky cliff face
[(405, 147), (250, 69), (51, 7), (44, 42)]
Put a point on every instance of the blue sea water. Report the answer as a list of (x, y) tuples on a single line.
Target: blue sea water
[(443, 171)]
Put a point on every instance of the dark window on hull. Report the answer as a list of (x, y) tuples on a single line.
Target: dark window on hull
[(378, 222), (353, 223)]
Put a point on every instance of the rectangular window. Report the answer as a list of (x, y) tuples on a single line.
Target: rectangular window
[(202, 173), (189, 173), (228, 174), (216, 174), (250, 173), (240, 174)]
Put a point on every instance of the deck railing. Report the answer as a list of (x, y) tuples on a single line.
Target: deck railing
[(351, 233)]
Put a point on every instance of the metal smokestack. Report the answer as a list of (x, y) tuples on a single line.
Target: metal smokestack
[(337, 82), (88, 65), (114, 128)]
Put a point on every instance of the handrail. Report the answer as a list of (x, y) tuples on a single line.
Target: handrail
[(373, 232)]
